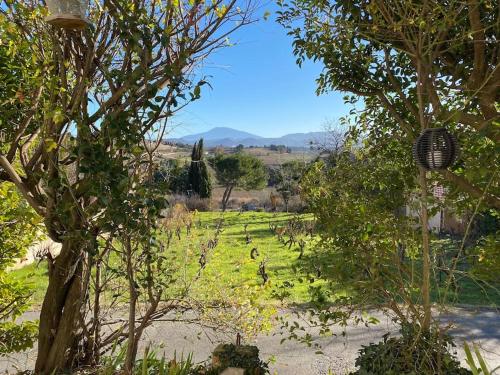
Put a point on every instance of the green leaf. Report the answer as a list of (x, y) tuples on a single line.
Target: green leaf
[(50, 144), (58, 117)]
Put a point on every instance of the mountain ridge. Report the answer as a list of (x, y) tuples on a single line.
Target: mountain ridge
[(219, 132), (229, 137)]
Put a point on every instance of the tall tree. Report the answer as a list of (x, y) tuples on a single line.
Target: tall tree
[(81, 104), (423, 64), (239, 171), (199, 178), (356, 200)]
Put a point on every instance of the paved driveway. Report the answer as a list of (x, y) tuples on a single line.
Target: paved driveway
[(293, 358)]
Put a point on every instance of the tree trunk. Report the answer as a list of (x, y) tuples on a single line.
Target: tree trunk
[(225, 197), (426, 260), (132, 342), (61, 308)]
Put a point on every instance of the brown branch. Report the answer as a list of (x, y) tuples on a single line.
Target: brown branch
[(24, 125), (397, 86), (394, 112), (16, 180), (479, 39), (474, 191)]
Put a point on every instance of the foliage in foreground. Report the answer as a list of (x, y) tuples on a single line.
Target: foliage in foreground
[(481, 367), (370, 246), (18, 229), (151, 363), (73, 161), (415, 352), (379, 50)]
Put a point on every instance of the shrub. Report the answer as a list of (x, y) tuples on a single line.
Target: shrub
[(244, 356), (19, 228), (414, 353), (199, 204), (17, 337), (297, 205), (191, 203), (151, 364)]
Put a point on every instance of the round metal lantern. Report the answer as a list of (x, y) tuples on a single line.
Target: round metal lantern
[(435, 149), (68, 14)]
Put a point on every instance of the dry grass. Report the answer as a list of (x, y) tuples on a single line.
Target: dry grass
[(239, 197), (268, 157), (274, 158)]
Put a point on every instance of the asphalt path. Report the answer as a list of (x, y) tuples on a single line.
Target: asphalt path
[(294, 358)]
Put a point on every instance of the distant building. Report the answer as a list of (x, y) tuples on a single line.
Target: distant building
[(444, 221)]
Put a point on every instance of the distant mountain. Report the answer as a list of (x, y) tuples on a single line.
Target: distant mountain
[(229, 137), (220, 133)]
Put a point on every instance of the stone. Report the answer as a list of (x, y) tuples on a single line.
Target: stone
[(233, 371)]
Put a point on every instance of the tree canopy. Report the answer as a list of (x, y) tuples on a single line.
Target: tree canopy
[(415, 64), (288, 178), (239, 171)]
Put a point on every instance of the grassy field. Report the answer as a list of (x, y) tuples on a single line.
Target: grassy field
[(275, 158), (230, 267), (267, 156)]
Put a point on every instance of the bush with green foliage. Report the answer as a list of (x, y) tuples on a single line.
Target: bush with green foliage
[(366, 247), (240, 356), (414, 353), (172, 176), (19, 227)]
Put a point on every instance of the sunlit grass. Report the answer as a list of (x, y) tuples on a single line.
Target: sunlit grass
[(229, 266)]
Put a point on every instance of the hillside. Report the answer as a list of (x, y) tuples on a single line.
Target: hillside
[(228, 137), (217, 134)]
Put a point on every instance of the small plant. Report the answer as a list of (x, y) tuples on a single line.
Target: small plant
[(481, 367), (242, 356), (151, 364), (282, 290), (415, 352)]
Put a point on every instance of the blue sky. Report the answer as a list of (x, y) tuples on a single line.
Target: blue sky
[(258, 88)]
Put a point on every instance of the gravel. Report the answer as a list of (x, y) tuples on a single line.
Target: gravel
[(294, 358)]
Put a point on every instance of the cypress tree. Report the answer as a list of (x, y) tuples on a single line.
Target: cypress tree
[(199, 179)]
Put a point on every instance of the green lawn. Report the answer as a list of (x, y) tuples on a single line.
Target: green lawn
[(36, 277), (229, 265), (470, 290), (230, 268)]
